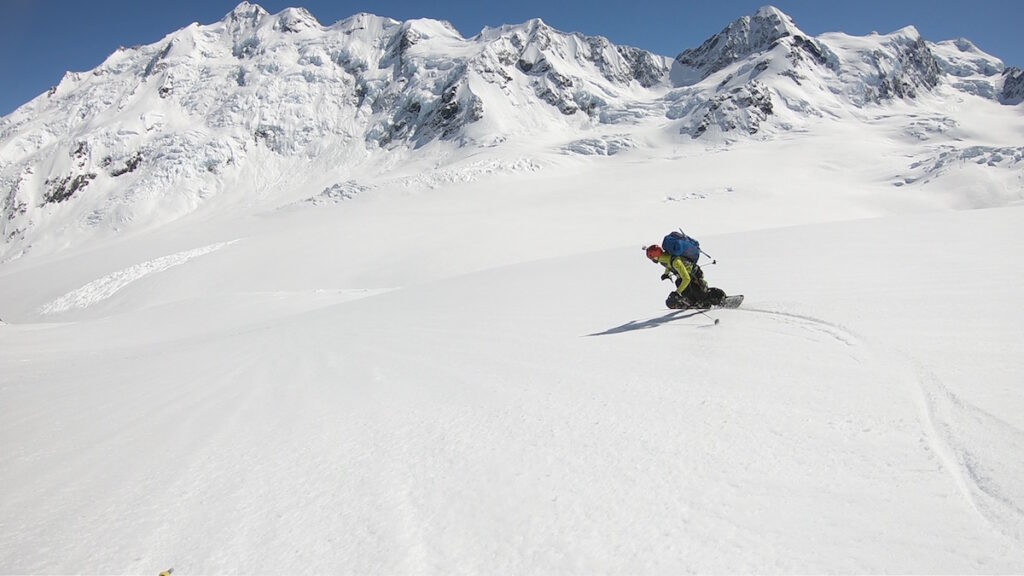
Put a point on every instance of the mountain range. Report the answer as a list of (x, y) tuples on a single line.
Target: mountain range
[(222, 114)]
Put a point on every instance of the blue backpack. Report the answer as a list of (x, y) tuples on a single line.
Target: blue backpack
[(679, 244)]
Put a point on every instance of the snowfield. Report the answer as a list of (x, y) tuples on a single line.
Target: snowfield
[(482, 378), (455, 358)]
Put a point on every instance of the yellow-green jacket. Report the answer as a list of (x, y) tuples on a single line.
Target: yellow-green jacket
[(678, 266)]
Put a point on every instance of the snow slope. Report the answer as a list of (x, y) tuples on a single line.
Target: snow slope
[(460, 361), (378, 385)]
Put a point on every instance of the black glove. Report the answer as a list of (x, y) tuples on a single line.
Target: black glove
[(665, 276), (674, 301)]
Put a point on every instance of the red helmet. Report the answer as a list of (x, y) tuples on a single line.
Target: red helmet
[(654, 252)]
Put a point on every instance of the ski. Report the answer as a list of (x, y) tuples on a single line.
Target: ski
[(728, 302)]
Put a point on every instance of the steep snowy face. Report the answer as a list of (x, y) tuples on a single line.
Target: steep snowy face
[(744, 37), (962, 59), (904, 66), (569, 72), (967, 68), (733, 83), (761, 74)]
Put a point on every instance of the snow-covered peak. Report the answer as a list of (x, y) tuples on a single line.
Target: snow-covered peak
[(365, 23), (245, 15), (881, 67), (908, 32), (529, 28), (435, 28), (295, 20), (743, 37), (769, 20), (426, 29), (961, 58), (536, 25)]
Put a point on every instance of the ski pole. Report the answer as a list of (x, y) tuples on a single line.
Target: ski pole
[(709, 316)]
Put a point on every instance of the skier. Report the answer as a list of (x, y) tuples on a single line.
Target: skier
[(692, 290)]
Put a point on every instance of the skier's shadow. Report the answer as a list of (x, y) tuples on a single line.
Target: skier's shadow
[(652, 323)]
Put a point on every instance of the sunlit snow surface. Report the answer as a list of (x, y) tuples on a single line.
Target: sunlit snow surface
[(481, 376), (463, 364), (107, 286)]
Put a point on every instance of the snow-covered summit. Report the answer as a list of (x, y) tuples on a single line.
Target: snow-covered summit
[(881, 67), (967, 68), (960, 57), (746, 36)]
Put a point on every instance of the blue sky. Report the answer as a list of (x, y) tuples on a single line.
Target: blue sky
[(42, 39)]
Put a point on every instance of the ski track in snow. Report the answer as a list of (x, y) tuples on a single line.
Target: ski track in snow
[(103, 288), (835, 331), (957, 433), (960, 433)]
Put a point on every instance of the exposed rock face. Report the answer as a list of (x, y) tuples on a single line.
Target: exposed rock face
[(1013, 86), (646, 68), (905, 70), (741, 108), (747, 35)]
